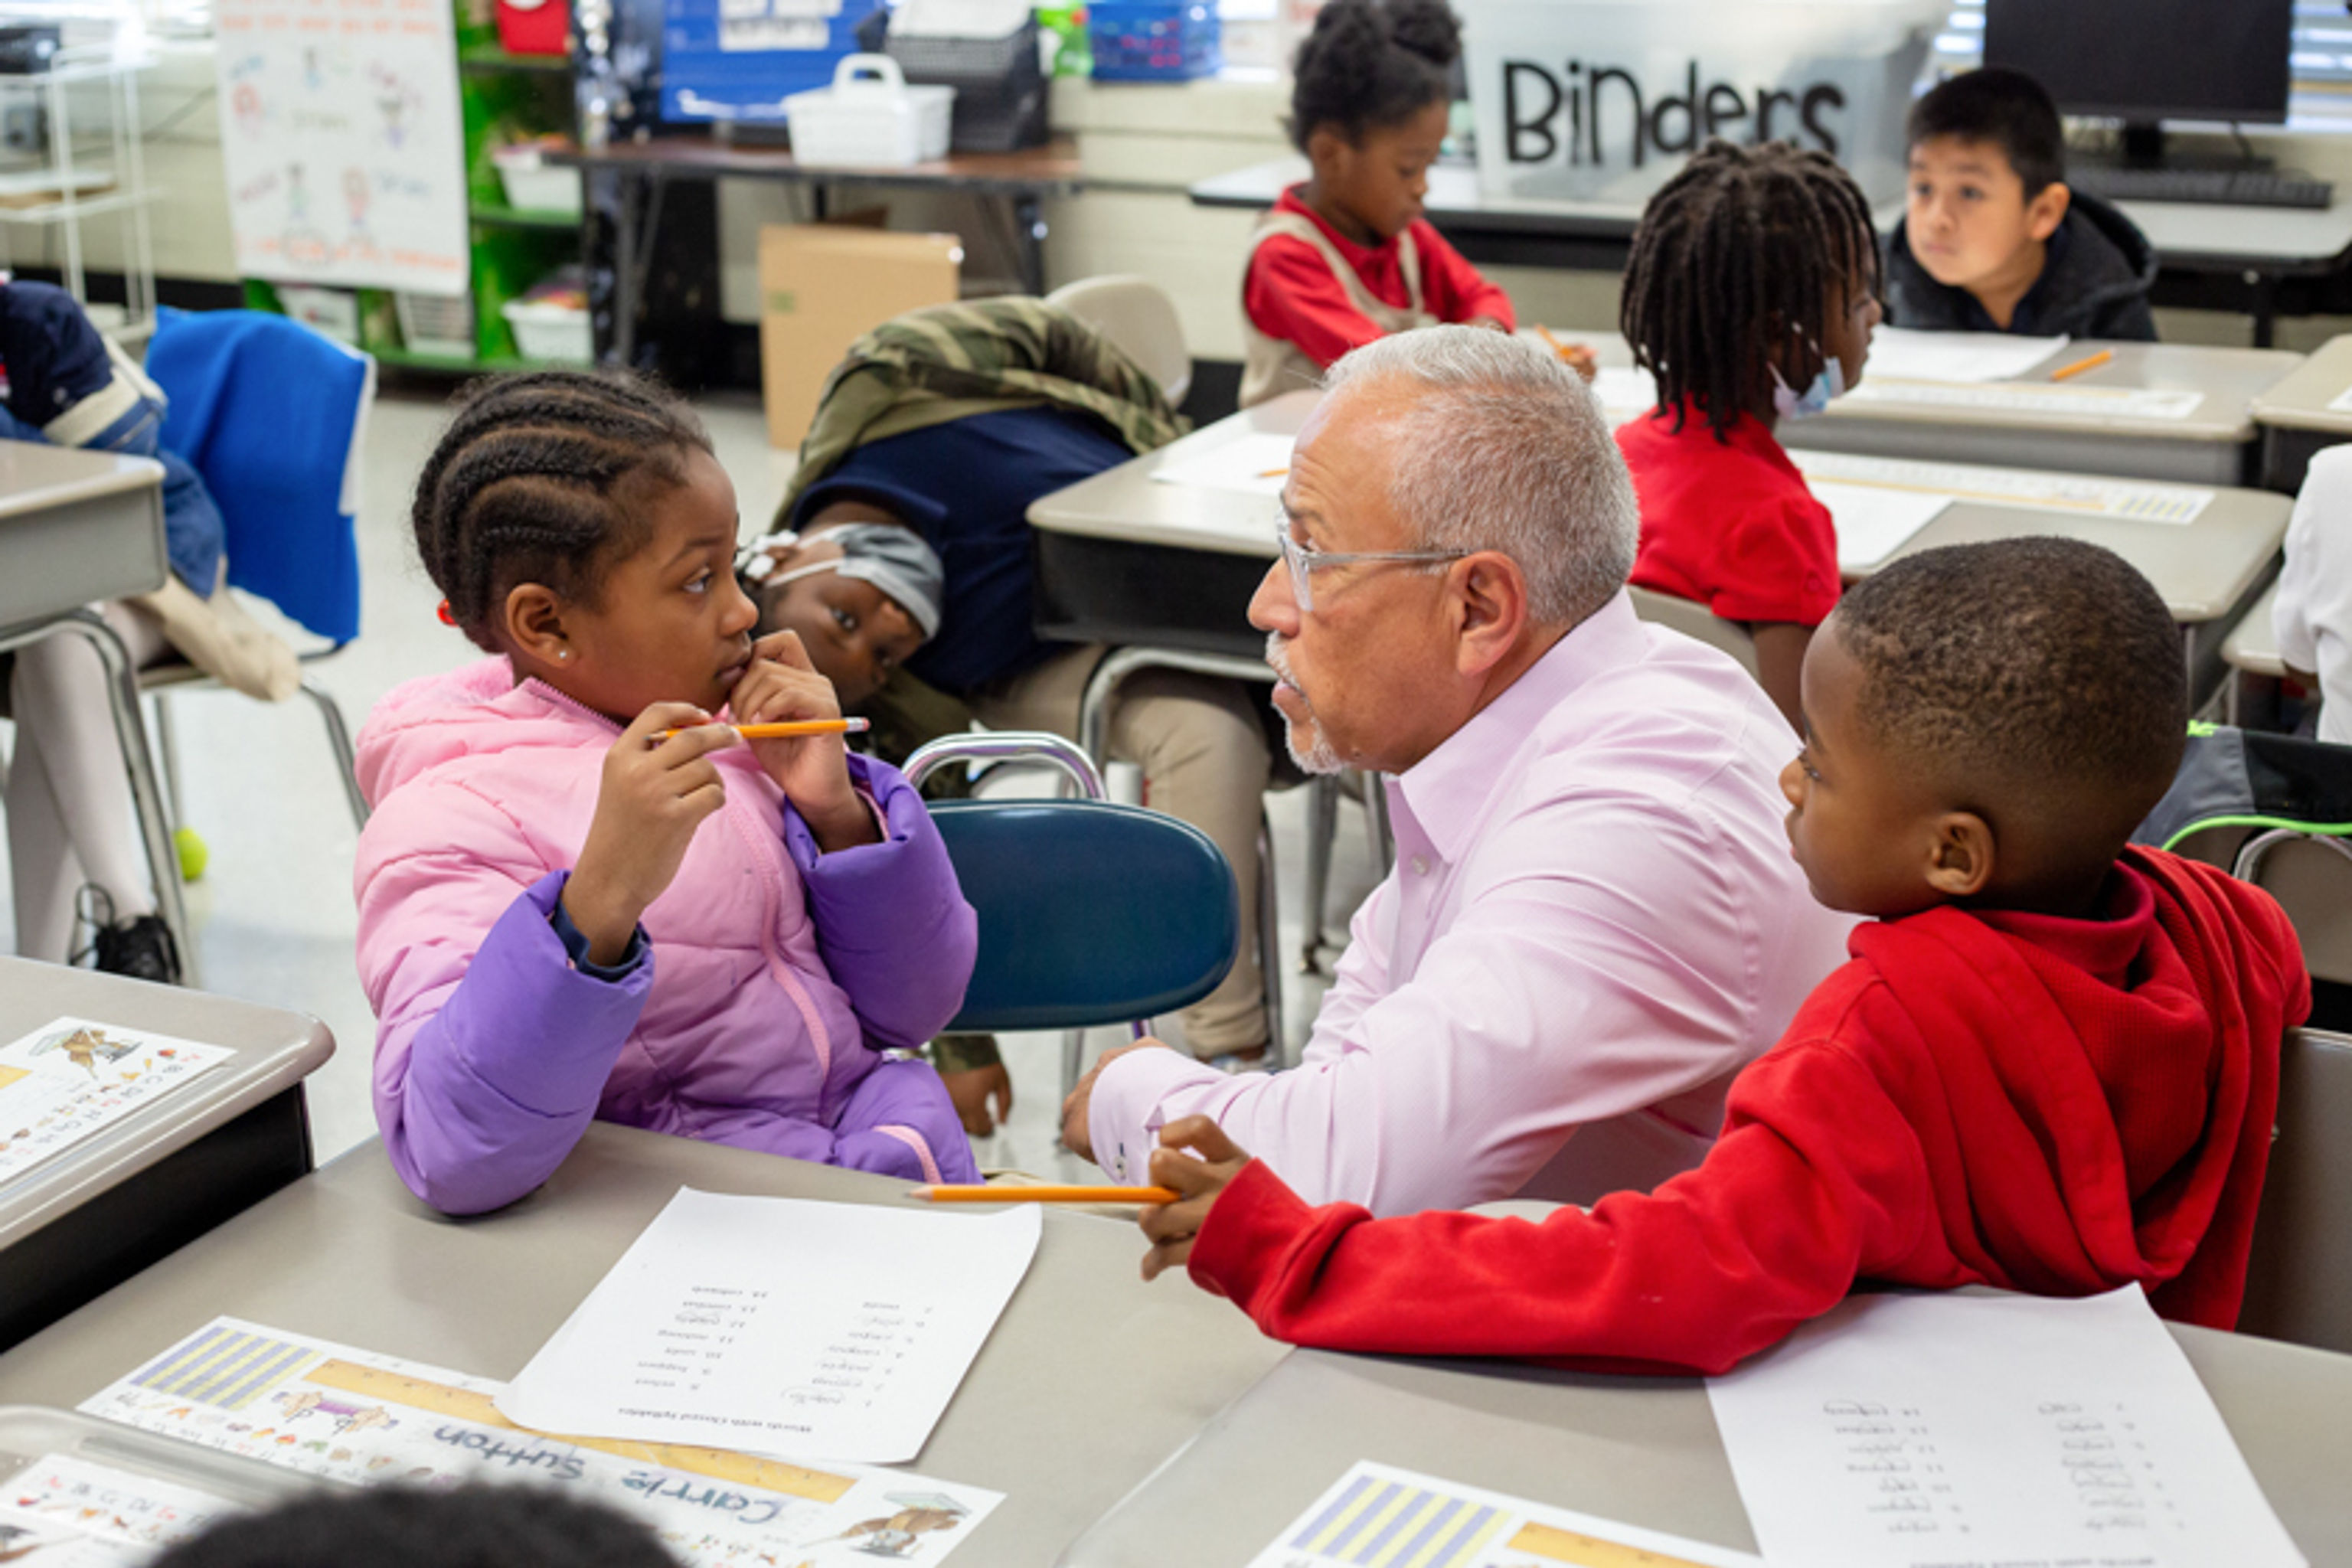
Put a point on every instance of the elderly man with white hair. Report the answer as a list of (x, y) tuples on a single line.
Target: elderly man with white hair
[(1594, 920)]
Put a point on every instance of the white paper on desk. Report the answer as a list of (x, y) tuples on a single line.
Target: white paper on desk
[(72, 1076), (787, 1326), (2027, 489), (1911, 1431), (1377, 1516), (2061, 400), (1626, 392), (1875, 521), (2341, 402), (63, 1511), (1253, 462), (1900, 353), (359, 1418)]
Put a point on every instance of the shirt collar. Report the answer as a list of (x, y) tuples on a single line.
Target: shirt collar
[(1356, 256), (1448, 791)]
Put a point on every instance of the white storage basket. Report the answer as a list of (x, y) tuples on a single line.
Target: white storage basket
[(553, 333), (869, 124), (534, 185)]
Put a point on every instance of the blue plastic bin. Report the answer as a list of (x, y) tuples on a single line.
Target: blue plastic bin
[(1153, 40), (705, 79)]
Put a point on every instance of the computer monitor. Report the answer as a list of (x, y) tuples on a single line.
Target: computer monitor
[(2144, 61)]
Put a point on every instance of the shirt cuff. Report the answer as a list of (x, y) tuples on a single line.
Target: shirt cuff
[(1124, 1115), (575, 947)]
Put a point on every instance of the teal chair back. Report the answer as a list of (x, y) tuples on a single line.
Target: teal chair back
[(1090, 912)]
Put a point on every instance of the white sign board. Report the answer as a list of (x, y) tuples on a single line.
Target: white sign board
[(1602, 101), (340, 132)]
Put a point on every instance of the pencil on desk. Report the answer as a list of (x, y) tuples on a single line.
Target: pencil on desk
[(1045, 1192), (797, 727), (2079, 365), (1272, 473)]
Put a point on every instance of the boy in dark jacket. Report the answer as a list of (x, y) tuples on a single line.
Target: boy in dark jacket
[(1992, 240)]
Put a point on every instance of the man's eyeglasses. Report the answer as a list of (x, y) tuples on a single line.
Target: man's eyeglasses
[(1304, 561)]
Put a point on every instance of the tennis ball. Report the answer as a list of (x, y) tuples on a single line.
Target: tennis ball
[(193, 856)]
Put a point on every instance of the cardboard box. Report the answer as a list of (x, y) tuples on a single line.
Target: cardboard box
[(824, 285)]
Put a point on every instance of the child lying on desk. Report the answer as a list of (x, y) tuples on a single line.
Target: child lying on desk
[(2051, 1066), (1992, 240)]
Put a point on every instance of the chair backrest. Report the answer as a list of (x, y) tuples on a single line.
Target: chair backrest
[(2311, 877), (1137, 315), (1090, 912), (1694, 620), (272, 414), (2299, 1279)]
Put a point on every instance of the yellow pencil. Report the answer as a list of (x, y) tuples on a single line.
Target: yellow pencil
[(1045, 1192), (797, 727), (2079, 365)]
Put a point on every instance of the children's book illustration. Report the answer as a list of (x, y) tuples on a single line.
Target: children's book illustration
[(327, 1410), (72, 1076), (64, 1511)]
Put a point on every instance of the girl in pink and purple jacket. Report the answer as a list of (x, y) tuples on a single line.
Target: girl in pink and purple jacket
[(581, 897)]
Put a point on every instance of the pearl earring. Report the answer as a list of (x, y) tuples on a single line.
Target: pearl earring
[(563, 653)]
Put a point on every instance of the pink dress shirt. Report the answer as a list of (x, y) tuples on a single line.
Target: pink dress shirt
[(1592, 924)]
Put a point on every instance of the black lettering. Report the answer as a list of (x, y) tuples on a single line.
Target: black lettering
[(1575, 112), (1516, 126), (1689, 107), (1641, 122), (1815, 96), (1766, 97), (1716, 117)]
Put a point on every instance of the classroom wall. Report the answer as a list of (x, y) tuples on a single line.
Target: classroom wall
[(1143, 145)]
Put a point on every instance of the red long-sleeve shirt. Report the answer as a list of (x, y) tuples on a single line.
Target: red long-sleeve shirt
[(1289, 292), (2054, 1106)]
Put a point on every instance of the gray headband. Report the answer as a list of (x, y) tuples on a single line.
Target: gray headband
[(894, 559)]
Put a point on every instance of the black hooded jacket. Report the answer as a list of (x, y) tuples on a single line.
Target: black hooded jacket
[(2093, 283)]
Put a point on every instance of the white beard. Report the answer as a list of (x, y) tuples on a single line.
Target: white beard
[(1318, 758)]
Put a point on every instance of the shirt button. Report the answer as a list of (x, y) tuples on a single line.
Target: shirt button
[(1421, 866)]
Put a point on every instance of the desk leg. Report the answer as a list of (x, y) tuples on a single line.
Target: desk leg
[(2264, 288), (625, 272), (155, 827), (1029, 240)]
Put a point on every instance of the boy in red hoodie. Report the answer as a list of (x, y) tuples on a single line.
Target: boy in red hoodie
[(2052, 1065)]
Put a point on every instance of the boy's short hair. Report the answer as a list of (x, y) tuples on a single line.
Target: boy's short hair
[(472, 1526), (2038, 678), (2006, 108)]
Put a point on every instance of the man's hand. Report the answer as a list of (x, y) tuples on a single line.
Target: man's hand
[(973, 1087), (1171, 1227), (1076, 1137), (651, 797), (781, 686)]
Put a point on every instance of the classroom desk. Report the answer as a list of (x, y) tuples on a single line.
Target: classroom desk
[(80, 1223), (1019, 181), (1640, 1451), (2260, 248), (2296, 420), (1125, 558), (2251, 652), (78, 529), (1091, 1379)]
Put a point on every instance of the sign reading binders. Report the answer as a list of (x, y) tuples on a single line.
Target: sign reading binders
[(1603, 100)]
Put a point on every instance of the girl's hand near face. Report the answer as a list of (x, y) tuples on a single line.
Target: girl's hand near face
[(653, 795), (781, 686)]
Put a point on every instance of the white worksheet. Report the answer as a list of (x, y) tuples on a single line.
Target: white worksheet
[(1874, 521), (363, 1419), (1930, 1431), (2060, 399), (803, 1330), (1254, 463), (1626, 392), (72, 1076), (2341, 402), (63, 1511), (1899, 354), (2029, 490), (1377, 1516)]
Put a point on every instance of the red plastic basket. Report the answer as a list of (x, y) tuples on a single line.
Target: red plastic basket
[(535, 26)]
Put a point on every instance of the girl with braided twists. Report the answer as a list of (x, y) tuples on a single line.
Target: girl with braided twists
[(582, 894), (1750, 295)]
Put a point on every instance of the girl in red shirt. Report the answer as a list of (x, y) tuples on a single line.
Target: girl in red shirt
[(1750, 294), (1347, 256)]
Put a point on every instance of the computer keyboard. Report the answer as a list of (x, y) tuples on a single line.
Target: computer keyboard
[(2214, 188)]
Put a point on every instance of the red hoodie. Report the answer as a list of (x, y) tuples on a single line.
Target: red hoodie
[(2041, 1104)]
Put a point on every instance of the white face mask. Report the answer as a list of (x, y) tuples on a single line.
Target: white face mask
[(1827, 386)]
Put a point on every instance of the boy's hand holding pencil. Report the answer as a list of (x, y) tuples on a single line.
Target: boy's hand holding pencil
[(1171, 1227), (781, 686)]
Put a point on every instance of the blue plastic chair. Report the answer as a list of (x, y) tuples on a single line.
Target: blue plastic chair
[(1090, 912)]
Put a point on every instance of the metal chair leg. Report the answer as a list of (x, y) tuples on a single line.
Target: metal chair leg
[(175, 804), (1322, 828), (1269, 946), (338, 736), (1073, 1060), (1376, 814), (146, 798)]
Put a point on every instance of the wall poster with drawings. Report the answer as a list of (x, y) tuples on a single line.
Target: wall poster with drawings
[(341, 135)]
